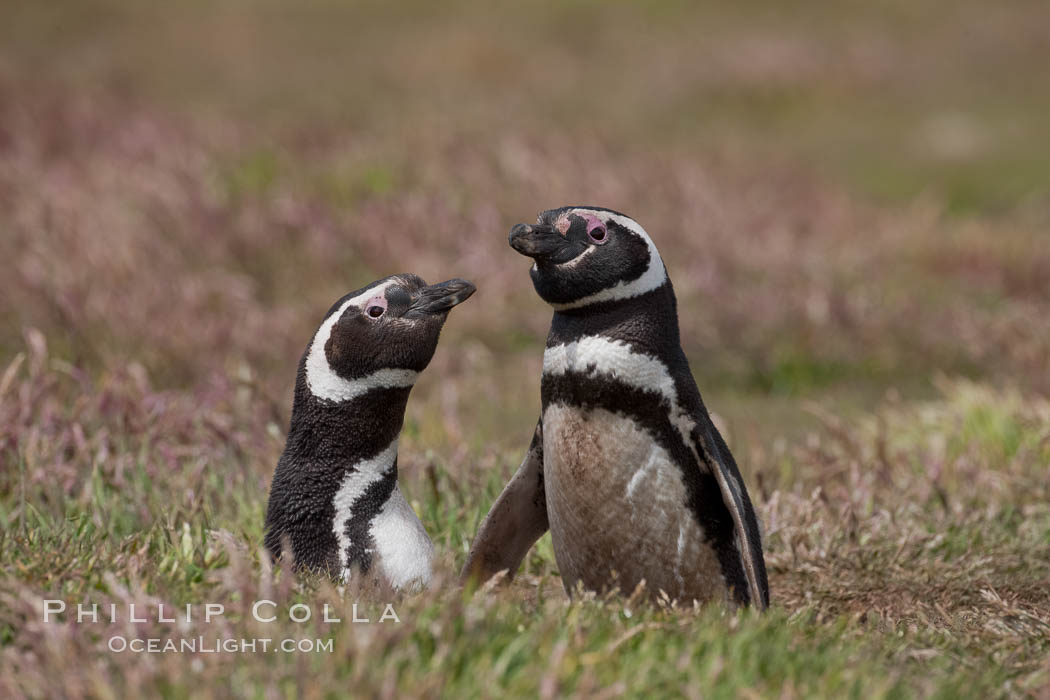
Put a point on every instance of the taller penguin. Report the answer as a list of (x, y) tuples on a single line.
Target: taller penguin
[(334, 500), (625, 466)]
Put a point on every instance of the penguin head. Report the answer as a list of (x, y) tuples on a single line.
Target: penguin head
[(381, 335), (586, 255)]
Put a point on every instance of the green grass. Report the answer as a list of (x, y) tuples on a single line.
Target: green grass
[(851, 203), (885, 584)]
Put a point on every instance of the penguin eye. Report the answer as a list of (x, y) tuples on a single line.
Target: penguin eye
[(376, 306), (596, 230)]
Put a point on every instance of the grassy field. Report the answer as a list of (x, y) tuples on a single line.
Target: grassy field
[(853, 203)]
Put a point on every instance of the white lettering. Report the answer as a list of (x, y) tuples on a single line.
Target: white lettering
[(291, 613), (82, 613), (255, 610), (389, 614), (327, 613), (50, 608)]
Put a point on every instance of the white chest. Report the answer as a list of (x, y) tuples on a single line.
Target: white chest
[(617, 506), (404, 551)]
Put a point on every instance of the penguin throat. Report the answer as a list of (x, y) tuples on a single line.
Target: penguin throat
[(325, 384), (339, 434), (649, 321)]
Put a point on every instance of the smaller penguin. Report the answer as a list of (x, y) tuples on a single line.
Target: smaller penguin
[(334, 500)]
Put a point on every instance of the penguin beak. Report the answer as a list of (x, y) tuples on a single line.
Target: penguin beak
[(539, 242), (439, 298)]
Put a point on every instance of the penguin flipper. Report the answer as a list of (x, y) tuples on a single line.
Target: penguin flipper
[(712, 450), (516, 520)]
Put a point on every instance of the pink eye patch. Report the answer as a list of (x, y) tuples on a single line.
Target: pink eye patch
[(375, 306), (595, 227)]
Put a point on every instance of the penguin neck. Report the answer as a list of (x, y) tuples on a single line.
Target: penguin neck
[(344, 433), (649, 321)]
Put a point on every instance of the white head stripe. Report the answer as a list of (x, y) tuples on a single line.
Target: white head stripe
[(576, 261), (654, 275), (323, 381), (353, 487)]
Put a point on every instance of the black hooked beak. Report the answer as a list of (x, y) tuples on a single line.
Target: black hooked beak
[(539, 242), (439, 298)]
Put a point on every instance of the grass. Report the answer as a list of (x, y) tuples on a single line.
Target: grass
[(888, 580), (851, 203)]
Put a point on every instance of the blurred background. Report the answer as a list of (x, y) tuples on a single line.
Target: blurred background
[(852, 198), (853, 201)]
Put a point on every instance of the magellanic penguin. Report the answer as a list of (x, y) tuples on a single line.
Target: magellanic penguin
[(335, 500), (625, 466)]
